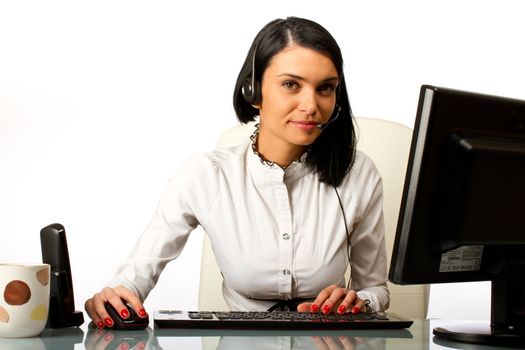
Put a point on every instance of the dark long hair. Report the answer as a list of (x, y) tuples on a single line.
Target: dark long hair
[(333, 152)]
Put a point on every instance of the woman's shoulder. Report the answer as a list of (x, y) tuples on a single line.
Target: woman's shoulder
[(224, 156), (219, 160), (364, 160), (364, 170)]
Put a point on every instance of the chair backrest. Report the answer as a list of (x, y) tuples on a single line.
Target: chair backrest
[(388, 144)]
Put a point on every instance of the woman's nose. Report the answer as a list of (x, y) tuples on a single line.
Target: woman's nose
[(308, 103)]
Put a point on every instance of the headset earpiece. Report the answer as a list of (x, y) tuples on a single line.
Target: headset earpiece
[(250, 92), (250, 87)]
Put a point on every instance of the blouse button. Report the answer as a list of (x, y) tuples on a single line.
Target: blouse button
[(286, 272), (286, 236)]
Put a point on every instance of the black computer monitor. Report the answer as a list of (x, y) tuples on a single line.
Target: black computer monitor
[(462, 214)]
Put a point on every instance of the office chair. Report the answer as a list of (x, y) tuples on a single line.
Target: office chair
[(388, 144)]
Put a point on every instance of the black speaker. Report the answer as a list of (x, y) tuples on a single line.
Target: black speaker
[(62, 311)]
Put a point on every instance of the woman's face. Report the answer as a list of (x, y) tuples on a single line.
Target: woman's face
[(298, 91)]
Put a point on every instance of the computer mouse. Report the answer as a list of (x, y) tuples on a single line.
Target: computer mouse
[(134, 321)]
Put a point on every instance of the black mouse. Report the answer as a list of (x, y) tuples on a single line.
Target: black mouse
[(134, 321)]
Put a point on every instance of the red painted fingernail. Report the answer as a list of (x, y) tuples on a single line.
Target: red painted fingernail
[(124, 346), (141, 346), (326, 309), (142, 313), (108, 321), (124, 313), (314, 308), (355, 310), (341, 309), (100, 324)]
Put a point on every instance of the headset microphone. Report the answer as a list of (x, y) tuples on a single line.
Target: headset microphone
[(321, 126)]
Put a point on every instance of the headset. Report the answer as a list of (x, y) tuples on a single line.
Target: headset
[(250, 87)]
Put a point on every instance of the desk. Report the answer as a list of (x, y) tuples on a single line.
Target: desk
[(416, 337)]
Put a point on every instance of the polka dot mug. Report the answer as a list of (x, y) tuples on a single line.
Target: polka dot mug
[(24, 299)]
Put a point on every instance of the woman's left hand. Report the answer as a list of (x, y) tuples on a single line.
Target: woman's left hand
[(334, 299)]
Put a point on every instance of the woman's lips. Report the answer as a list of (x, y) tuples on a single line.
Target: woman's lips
[(305, 125)]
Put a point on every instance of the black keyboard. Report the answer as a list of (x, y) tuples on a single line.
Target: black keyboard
[(277, 320)]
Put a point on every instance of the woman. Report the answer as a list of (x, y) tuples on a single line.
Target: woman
[(288, 209)]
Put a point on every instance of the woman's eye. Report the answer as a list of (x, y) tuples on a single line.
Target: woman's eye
[(292, 85), (327, 88)]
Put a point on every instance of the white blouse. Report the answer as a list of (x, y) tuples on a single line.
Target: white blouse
[(276, 233)]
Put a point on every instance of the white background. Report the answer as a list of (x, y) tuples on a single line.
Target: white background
[(101, 102)]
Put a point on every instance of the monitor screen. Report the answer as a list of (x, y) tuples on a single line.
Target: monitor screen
[(462, 214)]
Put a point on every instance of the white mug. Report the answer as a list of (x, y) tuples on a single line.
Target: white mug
[(24, 299)]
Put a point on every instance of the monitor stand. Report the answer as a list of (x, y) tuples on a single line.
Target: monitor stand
[(507, 326), (479, 334)]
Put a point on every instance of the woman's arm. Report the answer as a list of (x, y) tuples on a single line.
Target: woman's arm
[(185, 198)]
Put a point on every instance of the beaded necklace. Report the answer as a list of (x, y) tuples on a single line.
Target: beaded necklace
[(263, 160), (254, 137)]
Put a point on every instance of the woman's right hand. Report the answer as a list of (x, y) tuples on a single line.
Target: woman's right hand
[(117, 296)]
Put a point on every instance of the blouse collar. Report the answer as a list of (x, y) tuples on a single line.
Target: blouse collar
[(271, 170)]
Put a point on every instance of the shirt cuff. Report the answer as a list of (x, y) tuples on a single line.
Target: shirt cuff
[(378, 297)]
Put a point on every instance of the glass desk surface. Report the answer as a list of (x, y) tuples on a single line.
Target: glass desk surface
[(418, 336)]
